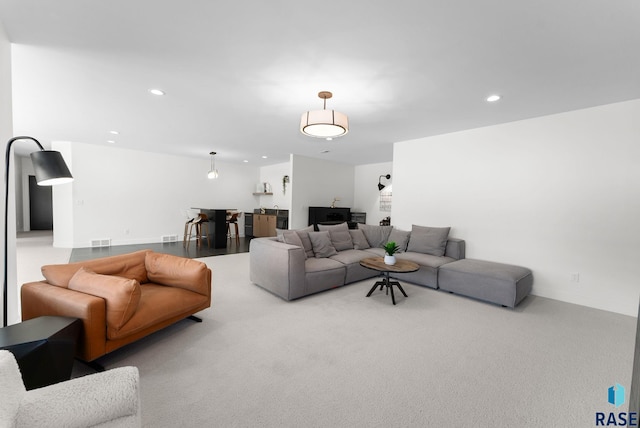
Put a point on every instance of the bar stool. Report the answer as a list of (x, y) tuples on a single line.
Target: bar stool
[(188, 225), (199, 224), (190, 215), (233, 219)]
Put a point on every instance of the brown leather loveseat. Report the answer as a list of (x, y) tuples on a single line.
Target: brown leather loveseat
[(119, 299)]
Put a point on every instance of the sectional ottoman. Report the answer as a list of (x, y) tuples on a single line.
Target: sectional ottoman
[(493, 282)]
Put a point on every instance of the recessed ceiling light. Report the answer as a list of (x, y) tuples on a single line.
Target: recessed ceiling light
[(493, 98), (114, 132), (111, 141), (156, 91), (245, 161), (264, 157)]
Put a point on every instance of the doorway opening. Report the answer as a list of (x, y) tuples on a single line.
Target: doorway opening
[(40, 206)]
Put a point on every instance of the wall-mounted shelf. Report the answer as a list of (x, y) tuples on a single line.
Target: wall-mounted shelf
[(262, 193)]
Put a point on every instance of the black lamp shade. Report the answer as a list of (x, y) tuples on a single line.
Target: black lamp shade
[(50, 168), (380, 185)]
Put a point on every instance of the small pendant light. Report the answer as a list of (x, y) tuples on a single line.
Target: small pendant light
[(213, 172)]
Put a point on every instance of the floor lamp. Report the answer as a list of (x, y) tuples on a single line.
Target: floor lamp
[(50, 169)]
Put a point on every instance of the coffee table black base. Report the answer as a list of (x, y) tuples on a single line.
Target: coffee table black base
[(44, 348), (389, 284)]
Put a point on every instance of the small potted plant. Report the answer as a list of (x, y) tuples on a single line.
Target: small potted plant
[(390, 248)]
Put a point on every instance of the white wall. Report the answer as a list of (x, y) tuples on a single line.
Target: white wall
[(6, 115), (24, 168), (316, 182), (132, 197), (63, 202), (367, 196), (273, 174), (559, 194), (6, 132), (116, 191)]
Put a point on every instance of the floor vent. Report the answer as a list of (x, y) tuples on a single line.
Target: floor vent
[(97, 243), (169, 238)]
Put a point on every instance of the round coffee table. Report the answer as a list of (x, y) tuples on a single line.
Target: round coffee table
[(401, 266)]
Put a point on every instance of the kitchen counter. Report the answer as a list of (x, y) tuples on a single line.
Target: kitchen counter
[(281, 222), (217, 217), (272, 211)]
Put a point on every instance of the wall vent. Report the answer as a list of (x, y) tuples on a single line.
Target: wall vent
[(97, 243), (169, 238)]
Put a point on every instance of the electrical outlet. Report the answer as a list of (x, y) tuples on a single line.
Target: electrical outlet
[(575, 276)]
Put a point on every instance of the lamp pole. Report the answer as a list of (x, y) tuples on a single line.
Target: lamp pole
[(50, 168)]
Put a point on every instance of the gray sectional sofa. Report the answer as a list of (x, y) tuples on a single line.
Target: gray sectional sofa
[(290, 268), (302, 262)]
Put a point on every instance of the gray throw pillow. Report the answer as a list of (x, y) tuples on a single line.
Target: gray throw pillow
[(428, 240), (400, 237), (292, 237), (306, 242), (322, 244), (359, 240), (377, 236), (340, 226), (339, 235)]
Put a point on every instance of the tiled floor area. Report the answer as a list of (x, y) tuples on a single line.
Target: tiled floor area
[(175, 248)]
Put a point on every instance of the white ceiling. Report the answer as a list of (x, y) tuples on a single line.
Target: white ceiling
[(238, 74)]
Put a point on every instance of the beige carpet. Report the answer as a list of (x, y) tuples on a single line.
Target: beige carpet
[(339, 359)]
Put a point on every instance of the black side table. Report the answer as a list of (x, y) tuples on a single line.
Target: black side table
[(44, 348)]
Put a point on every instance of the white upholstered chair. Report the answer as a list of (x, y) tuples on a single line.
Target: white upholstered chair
[(107, 399)]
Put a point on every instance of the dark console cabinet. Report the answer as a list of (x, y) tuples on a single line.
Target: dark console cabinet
[(328, 216)]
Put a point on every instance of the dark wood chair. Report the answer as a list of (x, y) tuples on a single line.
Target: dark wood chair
[(198, 224), (233, 219)]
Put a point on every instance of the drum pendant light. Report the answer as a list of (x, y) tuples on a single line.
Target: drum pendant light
[(324, 123)]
